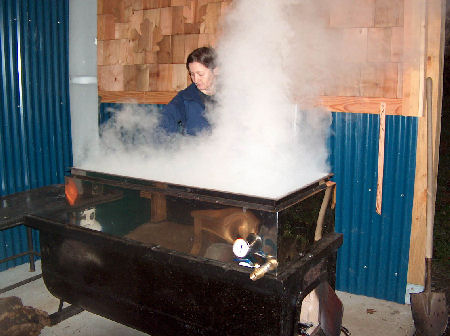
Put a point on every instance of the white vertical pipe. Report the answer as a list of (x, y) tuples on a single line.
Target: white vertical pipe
[(83, 76)]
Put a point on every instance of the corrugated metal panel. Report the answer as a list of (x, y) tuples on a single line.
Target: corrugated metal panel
[(35, 144), (373, 260)]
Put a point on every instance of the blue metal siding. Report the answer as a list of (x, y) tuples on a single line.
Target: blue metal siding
[(373, 260), (35, 139)]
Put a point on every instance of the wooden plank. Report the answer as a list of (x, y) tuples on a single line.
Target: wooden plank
[(136, 97), (379, 44), (434, 69), (123, 10), (166, 21), (344, 81), (416, 271), (381, 140), (200, 11), (153, 75), (189, 11), (211, 18), (204, 40), (129, 78), (379, 80), (354, 44), (153, 15), (352, 13), (143, 38), (400, 81), (125, 54), (151, 56), (109, 7), (100, 54), (177, 20), (388, 13), (413, 92), (165, 77), (192, 28), (179, 78), (111, 52), (135, 20), (174, 3), (155, 36), (396, 44), (150, 4), (137, 5), (178, 49), (159, 207), (106, 27), (100, 5), (361, 104), (414, 41), (110, 78), (165, 50), (190, 44), (142, 77), (121, 31), (334, 104), (164, 3)]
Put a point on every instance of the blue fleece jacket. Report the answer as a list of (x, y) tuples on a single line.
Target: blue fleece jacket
[(185, 113)]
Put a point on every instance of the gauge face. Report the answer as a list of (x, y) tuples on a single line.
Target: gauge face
[(240, 248)]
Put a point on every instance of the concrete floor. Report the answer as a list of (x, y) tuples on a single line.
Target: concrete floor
[(363, 316)]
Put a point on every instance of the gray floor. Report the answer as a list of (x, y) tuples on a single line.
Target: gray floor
[(362, 315)]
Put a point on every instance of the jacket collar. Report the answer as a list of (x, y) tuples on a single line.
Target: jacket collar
[(192, 93)]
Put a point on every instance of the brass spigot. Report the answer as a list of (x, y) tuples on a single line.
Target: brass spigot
[(270, 265)]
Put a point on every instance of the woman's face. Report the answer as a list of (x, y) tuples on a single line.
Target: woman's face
[(202, 77)]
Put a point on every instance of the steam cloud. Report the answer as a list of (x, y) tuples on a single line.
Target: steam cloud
[(265, 139)]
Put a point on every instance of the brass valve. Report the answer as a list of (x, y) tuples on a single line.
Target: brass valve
[(270, 265)]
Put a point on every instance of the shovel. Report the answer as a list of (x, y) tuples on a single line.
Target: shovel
[(429, 310)]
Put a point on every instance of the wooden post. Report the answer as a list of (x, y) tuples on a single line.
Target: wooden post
[(381, 138), (434, 54)]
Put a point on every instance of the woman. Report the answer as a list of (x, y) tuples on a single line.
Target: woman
[(185, 114)]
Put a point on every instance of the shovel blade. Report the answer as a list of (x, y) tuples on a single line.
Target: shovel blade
[(429, 312)]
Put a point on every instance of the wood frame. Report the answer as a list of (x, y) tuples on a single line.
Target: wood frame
[(433, 67)]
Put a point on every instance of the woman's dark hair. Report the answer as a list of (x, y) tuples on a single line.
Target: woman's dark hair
[(204, 55)]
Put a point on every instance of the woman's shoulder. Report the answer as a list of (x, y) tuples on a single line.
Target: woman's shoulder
[(190, 93)]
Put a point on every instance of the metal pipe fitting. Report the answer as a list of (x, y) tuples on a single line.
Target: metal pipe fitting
[(270, 265)]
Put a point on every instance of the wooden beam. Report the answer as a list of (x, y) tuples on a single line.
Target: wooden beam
[(434, 68), (414, 44), (362, 104), (334, 104), (136, 97), (414, 41)]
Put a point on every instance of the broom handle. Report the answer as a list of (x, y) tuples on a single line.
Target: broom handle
[(430, 215)]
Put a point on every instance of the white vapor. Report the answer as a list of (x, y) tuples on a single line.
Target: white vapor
[(264, 140)]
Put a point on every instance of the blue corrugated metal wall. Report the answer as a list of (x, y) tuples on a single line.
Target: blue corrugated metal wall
[(35, 140), (373, 260)]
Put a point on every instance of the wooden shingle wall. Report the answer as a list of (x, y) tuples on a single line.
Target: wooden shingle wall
[(143, 45)]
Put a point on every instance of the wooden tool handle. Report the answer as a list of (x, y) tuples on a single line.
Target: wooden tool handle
[(381, 139), (430, 177)]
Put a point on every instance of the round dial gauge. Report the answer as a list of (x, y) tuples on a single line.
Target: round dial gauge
[(240, 248)]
